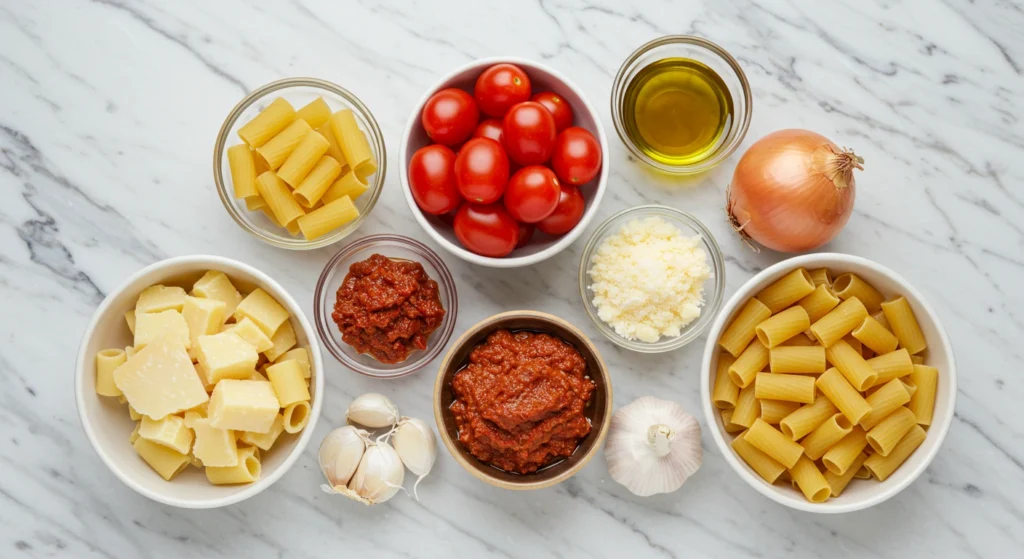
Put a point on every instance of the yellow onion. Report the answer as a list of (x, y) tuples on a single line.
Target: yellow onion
[(793, 190)]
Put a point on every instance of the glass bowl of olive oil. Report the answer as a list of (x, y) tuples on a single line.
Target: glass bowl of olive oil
[(681, 104)]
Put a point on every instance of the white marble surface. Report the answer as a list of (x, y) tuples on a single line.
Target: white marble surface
[(109, 109)]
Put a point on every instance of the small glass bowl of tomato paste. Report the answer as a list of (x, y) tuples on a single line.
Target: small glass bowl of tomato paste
[(394, 247)]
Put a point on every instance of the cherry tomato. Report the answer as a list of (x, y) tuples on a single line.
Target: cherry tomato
[(577, 157), (481, 171), (450, 116), (501, 86), (432, 179), (490, 128), (567, 214), (486, 229), (529, 133), (532, 194), (558, 106), (525, 234)]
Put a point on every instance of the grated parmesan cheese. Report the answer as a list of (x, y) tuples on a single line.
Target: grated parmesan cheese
[(648, 279)]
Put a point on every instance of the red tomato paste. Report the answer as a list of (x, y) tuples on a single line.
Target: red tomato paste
[(520, 401), (387, 308)]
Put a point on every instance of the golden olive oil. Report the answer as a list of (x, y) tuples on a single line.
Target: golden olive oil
[(677, 111)]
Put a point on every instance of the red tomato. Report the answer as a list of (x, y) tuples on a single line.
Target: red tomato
[(532, 194), (490, 128), (432, 179), (525, 234), (577, 157), (481, 171), (501, 86), (450, 116), (487, 230), (558, 106), (567, 214), (529, 133)]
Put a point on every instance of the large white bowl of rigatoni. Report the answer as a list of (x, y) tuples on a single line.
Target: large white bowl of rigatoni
[(828, 382), (199, 381)]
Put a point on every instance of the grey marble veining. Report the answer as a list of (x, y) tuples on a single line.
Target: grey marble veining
[(108, 114)]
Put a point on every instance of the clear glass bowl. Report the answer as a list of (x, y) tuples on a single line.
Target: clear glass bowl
[(396, 247), (298, 92), (701, 50), (714, 287)]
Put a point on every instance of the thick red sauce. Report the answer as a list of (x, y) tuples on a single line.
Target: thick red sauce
[(520, 401), (387, 308)]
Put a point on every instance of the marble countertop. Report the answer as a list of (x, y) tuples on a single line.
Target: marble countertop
[(109, 109)]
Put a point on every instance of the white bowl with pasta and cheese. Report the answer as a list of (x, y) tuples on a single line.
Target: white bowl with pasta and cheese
[(109, 427), (895, 474)]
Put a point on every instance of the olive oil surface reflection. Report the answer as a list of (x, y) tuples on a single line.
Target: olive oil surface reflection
[(677, 111)]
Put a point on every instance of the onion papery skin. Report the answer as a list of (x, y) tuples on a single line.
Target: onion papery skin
[(793, 190)]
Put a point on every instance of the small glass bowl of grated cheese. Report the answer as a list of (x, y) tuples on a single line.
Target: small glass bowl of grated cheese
[(652, 278)]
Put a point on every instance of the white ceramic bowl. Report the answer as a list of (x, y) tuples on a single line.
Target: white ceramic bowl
[(860, 494), (543, 78), (107, 424)]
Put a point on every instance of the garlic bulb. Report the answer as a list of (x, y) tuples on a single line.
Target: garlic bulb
[(373, 410), (653, 446), (380, 474), (417, 447), (340, 453)]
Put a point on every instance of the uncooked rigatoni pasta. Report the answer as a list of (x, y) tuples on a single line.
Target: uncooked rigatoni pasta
[(806, 419), (749, 363), (271, 120), (725, 391), (839, 322), (319, 179), (787, 290), (304, 152), (769, 440), (819, 302), (850, 285), (875, 336), (826, 435), (843, 455), (782, 326), (797, 359), (353, 143), (274, 153), (850, 363), (774, 411), (884, 436), (243, 171), (904, 324), (922, 402), (891, 365), (788, 388), (861, 418), (741, 330)]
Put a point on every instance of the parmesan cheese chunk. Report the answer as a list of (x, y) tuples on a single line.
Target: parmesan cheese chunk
[(160, 380), (648, 279), (243, 405)]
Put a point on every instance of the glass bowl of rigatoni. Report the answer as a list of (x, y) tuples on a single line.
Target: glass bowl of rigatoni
[(299, 163), (828, 383)]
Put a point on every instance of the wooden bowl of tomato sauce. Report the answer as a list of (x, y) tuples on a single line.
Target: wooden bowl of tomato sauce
[(597, 410)]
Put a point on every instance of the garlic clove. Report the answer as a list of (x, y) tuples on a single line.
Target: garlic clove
[(380, 474), (345, 491), (416, 445), (373, 410), (653, 446), (340, 454)]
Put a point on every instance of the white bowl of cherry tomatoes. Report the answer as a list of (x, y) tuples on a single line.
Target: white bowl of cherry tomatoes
[(502, 162)]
